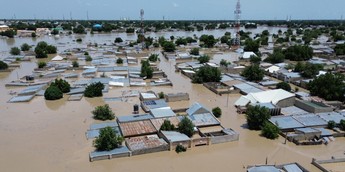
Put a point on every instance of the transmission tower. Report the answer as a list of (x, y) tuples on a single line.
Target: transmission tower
[(142, 31), (237, 13)]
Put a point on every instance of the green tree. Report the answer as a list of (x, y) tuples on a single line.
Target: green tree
[(169, 46), (255, 59), (94, 90), (41, 64), (119, 61), (208, 40), (311, 70), (33, 35), (181, 41), (107, 140), (270, 131), (103, 113), (75, 64), (342, 125), (63, 85), (51, 49), (118, 40), (88, 58), (25, 47), (253, 73), (251, 45), (257, 116), (167, 126), (146, 69), (40, 53), (195, 51), (217, 112), (207, 74), (153, 57), (224, 63), (276, 57), (204, 59), (186, 127), (331, 124), (180, 148), (53, 93), (3, 65), (161, 95), (298, 53), (283, 85), (329, 86), (15, 51), (79, 30), (9, 33), (225, 39)]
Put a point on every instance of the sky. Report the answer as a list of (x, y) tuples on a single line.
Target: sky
[(172, 9)]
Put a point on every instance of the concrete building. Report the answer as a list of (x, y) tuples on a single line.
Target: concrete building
[(146, 144), (4, 28)]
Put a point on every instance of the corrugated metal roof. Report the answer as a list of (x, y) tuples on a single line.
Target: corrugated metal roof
[(144, 142), (310, 120), (204, 119), (135, 117), (174, 136), (120, 150), (292, 168), (197, 108), (162, 112), (129, 129), (269, 96), (286, 122), (263, 169)]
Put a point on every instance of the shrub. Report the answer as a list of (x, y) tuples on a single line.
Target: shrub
[(53, 93), (63, 85), (79, 40), (118, 40), (270, 131), (217, 112), (86, 53), (186, 127), (103, 113), (224, 63), (15, 51), (180, 148), (41, 64), (107, 140), (119, 61), (161, 95), (3, 65), (167, 126), (94, 90)]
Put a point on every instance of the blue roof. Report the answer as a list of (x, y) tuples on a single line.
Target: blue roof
[(103, 125), (119, 150), (174, 136), (286, 122), (246, 88), (310, 120), (97, 26), (197, 108), (332, 116), (292, 168), (136, 117)]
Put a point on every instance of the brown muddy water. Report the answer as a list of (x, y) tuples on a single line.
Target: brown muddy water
[(50, 135)]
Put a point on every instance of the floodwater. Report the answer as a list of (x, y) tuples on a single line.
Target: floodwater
[(50, 135)]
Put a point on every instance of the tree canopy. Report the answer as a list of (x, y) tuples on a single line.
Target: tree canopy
[(63, 85), (15, 51), (328, 86), (251, 45), (167, 126), (270, 131), (208, 40), (107, 140), (276, 57), (283, 85), (217, 112), (94, 90), (53, 93), (25, 47), (103, 113), (168, 46), (253, 73), (195, 51), (3, 65), (257, 116), (207, 74), (186, 127), (146, 69), (298, 53), (204, 59)]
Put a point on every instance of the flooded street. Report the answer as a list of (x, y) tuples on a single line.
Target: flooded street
[(50, 135)]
